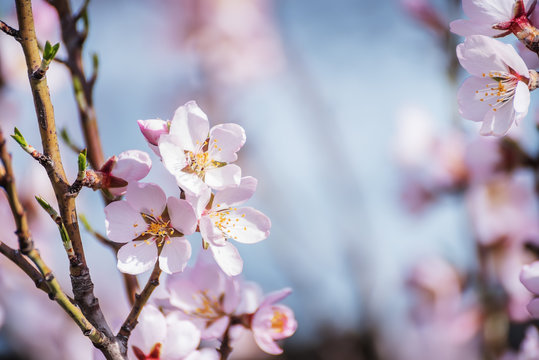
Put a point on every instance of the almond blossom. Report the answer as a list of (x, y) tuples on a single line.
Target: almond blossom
[(220, 219), (498, 93), (128, 166), (493, 17), (152, 129), (206, 296), (152, 227), (162, 337), (273, 322), (197, 156)]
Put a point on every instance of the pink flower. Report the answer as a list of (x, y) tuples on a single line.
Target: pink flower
[(273, 322), (153, 228), (160, 337), (223, 220), (152, 129), (498, 92), (119, 171), (493, 17), (206, 296), (204, 354), (197, 156)]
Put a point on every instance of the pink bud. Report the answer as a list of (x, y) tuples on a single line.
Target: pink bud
[(152, 129)]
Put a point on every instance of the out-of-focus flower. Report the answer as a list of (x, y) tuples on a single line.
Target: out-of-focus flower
[(223, 220), (529, 348), (492, 17), (206, 296), (153, 228), (273, 322), (498, 93), (235, 41), (129, 166), (162, 337), (204, 354), (529, 276), (197, 156), (504, 209), (424, 12)]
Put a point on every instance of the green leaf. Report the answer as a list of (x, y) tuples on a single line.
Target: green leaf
[(19, 138)]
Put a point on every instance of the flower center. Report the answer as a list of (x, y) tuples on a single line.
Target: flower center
[(209, 307), (158, 228), (501, 91), (226, 223), (278, 321)]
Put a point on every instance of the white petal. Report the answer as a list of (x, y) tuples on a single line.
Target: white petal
[(204, 354), (245, 225), (182, 337), (189, 126), (123, 223), (151, 329), (469, 99), (228, 258), (132, 165), (200, 201), (223, 177), (521, 101), (529, 277), (266, 343), (498, 122), (216, 329), (190, 183), (137, 257), (175, 255), (468, 27), (147, 198), (225, 141), (210, 232), (182, 215), (235, 196), (172, 154)]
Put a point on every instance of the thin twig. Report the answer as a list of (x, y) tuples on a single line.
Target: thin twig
[(10, 31), (132, 319), (18, 259)]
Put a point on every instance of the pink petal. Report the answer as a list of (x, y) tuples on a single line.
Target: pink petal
[(266, 343), (199, 201), (183, 337), (235, 196), (521, 101), (172, 154), (210, 232), (276, 296), (533, 308), (147, 198), (223, 177), (182, 215), (150, 330), (470, 105), (225, 141), (132, 165), (189, 126), (228, 258), (152, 129), (246, 225), (204, 354), (137, 257), (216, 329), (529, 276), (123, 223), (498, 122), (175, 255), (492, 10), (468, 27)]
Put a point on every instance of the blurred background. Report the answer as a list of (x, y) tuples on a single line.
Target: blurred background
[(381, 197)]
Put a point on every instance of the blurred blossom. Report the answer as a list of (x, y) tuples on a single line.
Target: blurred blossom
[(529, 348), (504, 209), (235, 40), (482, 158), (424, 12)]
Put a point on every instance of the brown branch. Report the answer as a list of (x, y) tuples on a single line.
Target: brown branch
[(10, 31), (132, 319), (225, 349), (18, 259), (80, 275), (83, 89)]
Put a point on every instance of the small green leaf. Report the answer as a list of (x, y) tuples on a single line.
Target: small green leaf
[(49, 52), (19, 138), (44, 204), (82, 161)]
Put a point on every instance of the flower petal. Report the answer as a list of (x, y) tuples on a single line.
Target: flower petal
[(150, 330), (216, 329), (152, 129), (182, 215), (498, 122), (223, 177), (210, 232), (276, 296), (175, 255), (469, 98), (521, 102), (225, 141), (123, 223), (228, 258), (265, 343), (235, 196), (189, 126), (147, 198), (132, 165), (137, 257), (182, 337), (529, 277), (245, 225), (199, 201)]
